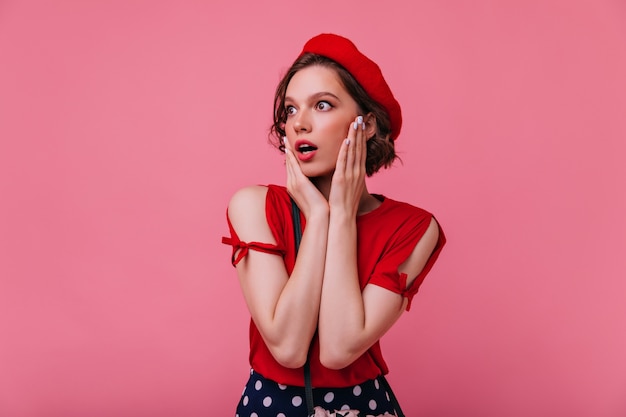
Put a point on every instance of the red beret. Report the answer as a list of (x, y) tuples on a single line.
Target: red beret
[(363, 69)]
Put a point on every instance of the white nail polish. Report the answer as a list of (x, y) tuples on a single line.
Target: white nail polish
[(347, 141), (355, 125), (359, 119)]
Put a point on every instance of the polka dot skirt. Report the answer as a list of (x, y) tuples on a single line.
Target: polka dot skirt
[(263, 397)]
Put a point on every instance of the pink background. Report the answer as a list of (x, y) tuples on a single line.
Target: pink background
[(126, 126)]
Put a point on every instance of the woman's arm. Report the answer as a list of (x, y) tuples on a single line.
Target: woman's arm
[(285, 309), (351, 321)]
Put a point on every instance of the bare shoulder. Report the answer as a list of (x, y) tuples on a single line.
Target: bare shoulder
[(422, 251), (431, 236), (244, 197), (246, 211)]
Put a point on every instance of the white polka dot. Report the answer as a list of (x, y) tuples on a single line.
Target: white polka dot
[(296, 401), (283, 387), (387, 394), (329, 397), (357, 390), (244, 391), (376, 384), (258, 385), (345, 407), (267, 401), (245, 400), (373, 405), (280, 415), (254, 415)]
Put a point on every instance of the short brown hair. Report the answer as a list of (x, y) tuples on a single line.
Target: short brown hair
[(380, 148)]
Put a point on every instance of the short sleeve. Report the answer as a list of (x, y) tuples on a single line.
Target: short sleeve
[(241, 248), (386, 273)]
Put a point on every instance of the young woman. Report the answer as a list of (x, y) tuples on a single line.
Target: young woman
[(362, 256)]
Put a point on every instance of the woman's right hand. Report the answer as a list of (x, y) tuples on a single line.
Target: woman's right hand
[(308, 198)]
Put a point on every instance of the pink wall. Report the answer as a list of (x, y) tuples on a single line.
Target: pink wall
[(126, 126)]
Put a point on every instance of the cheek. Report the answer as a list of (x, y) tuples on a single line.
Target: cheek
[(336, 127)]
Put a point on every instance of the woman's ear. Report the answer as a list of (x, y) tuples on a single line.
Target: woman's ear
[(370, 125)]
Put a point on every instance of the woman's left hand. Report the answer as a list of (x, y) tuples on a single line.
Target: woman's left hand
[(348, 181)]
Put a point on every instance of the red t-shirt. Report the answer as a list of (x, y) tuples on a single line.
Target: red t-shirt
[(386, 237)]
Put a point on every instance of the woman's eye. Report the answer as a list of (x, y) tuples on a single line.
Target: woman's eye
[(290, 110), (324, 105)]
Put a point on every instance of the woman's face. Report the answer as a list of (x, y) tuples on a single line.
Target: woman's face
[(319, 114)]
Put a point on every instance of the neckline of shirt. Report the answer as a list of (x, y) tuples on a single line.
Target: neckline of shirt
[(383, 203)]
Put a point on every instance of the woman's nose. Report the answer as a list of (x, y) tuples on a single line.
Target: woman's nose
[(302, 123)]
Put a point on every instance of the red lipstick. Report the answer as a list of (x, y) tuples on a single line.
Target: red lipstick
[(306, 150)]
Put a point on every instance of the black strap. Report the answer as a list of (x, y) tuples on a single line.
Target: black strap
[(308, 388), (297, 233), (297, 227)]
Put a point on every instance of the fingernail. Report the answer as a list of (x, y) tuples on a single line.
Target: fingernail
[(359, 119), (355, 125), (347, 141)]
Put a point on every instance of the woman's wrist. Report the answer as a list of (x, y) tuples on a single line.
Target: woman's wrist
[(318, 216), (341, 218), (341, 213)]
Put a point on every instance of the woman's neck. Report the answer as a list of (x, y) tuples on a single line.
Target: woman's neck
[(323, 185), (367, 202)]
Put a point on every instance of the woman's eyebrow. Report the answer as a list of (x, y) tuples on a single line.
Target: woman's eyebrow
[(316, 96)]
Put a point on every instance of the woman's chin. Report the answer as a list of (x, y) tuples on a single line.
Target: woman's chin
[(318, 175)]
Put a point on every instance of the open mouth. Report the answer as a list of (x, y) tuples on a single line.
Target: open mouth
[(305, 148)]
